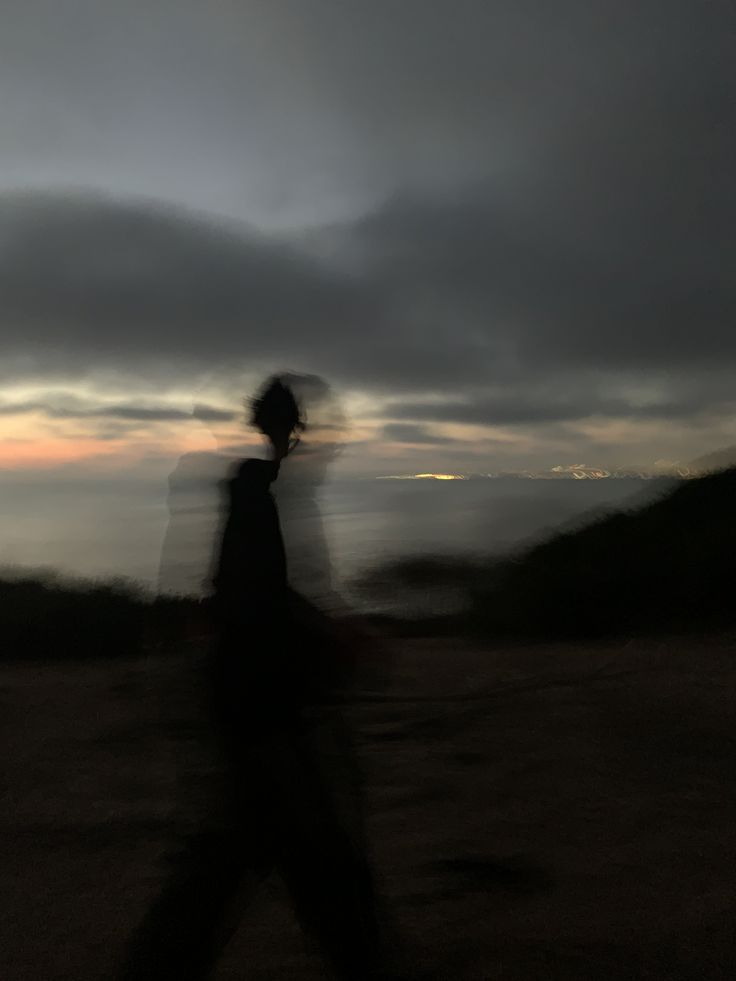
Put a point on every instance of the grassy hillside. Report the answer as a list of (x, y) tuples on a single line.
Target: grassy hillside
[(669, 565), (48, 617)]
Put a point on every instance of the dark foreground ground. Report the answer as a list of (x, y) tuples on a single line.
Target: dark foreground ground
[(556, 812)]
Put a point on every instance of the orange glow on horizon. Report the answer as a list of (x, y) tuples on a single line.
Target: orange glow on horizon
[(36, 453), (42, 452)]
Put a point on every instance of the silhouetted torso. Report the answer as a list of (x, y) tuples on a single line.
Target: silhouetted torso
[(250, 578), (260, 664)]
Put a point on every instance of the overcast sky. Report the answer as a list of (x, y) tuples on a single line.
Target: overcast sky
[(501, 229)]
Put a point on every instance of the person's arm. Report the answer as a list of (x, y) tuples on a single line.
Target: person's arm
[(351, 655)]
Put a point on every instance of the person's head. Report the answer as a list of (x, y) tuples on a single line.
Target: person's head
[(274, 411)]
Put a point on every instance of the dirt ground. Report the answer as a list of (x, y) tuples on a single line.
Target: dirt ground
[(552, 812)]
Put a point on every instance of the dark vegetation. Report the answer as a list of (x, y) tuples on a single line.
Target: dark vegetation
[(668, 566), (44, 616)]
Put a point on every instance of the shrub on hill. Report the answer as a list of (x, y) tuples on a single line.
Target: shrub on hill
[(43, 616)]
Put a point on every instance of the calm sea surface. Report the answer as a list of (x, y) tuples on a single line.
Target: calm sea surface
[(119, 528)]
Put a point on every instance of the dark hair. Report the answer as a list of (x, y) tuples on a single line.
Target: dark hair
[(275, 404)]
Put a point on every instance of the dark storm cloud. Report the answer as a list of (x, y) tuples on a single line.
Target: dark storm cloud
[(566, 213), (522, 408), (437, 291), (406, 433), (501, 411), (87, 281), (79, 409)]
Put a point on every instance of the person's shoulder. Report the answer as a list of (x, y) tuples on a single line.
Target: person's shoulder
[(253, 473), (197, 465), (197, 473)]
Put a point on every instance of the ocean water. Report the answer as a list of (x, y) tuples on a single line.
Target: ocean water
[(119, 528), (389, 519)]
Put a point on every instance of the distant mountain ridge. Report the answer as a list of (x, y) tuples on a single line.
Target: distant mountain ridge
[(708, 463), (719, 460), (578, 471)]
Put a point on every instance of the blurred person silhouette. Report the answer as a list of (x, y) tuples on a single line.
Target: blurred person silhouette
[(195, 499), (291, 796)]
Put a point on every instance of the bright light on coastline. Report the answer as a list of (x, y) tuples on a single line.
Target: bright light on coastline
[(426, 476)]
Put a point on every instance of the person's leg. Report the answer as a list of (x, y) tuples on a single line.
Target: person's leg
[(323, 858), (332, 892), (189, 923), (180, 935)]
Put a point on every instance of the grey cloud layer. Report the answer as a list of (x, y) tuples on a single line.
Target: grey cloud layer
[(421, 295), (89, 279), (564, 216), (260, 106), (409, 433), (84, 409), (522, 408)]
